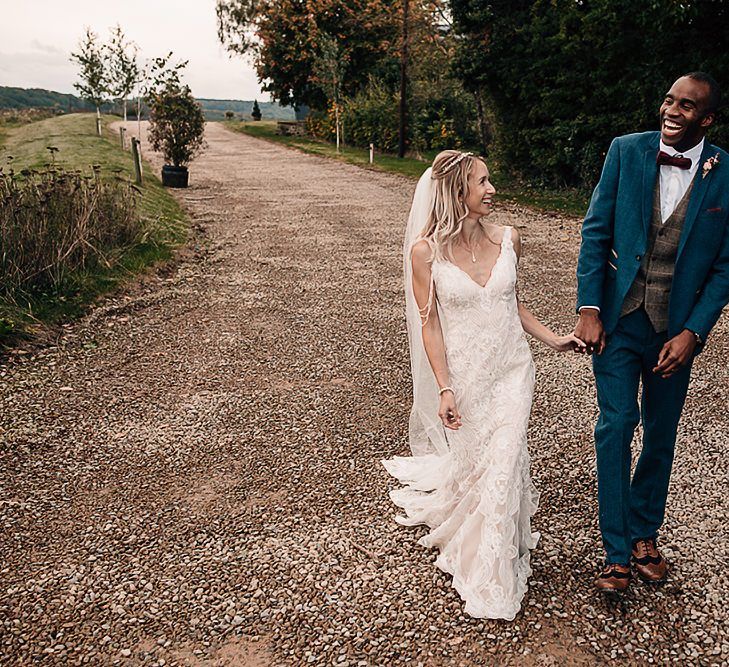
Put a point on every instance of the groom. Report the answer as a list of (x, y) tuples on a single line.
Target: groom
[(653, 277)]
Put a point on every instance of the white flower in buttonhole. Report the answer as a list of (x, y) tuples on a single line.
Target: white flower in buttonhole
[(709, 165)]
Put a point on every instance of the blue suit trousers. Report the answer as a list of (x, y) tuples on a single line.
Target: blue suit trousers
[(633, 508)]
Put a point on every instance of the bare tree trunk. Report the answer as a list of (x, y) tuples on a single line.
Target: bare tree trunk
[(403, 81), (336, 116), (124, 102), (139, 119), (484, 129)]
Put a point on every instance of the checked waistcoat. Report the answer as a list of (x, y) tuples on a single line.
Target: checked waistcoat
[(652, 286)]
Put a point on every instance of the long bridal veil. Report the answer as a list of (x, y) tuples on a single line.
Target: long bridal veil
[(427, 435)]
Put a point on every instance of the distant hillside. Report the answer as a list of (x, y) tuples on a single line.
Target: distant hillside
[(23, 98)]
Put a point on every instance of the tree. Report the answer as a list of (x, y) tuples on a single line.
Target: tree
[(122, 66), (256, 112), (176, 124), (562, 78), (94, 84), (284, 37), (157, 74), (440, 113), (403, 106), (329, 69)]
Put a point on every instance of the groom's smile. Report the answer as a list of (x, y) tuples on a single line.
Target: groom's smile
[(684, 114), (671, 128)]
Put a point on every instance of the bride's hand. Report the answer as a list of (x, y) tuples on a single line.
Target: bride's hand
[(567, 343), (448, 412)]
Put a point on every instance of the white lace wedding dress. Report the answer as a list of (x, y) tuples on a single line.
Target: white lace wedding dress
[(478, 497)]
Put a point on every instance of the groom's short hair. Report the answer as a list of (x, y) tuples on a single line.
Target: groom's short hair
[(714, 89)]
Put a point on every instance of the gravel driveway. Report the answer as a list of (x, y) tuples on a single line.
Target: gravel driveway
[(190, 476)]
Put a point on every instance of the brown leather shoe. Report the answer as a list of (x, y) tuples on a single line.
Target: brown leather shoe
[(614, 579), (649, 564)]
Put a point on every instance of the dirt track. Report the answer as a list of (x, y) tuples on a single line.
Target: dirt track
[(191, 475)]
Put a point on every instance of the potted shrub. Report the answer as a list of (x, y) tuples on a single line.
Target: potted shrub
[(176, 129)]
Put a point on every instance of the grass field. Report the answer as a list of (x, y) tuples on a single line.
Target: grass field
[(79, 148), (6, 127), (568, 202)]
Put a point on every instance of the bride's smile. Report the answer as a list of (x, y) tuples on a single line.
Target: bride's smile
[(480, 191)]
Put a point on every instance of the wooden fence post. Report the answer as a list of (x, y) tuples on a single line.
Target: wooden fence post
[(122, 136), (137, 155), (372, 153)]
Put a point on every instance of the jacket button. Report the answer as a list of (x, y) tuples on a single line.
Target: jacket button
[(637, 257), (650, 282), (660, 232)]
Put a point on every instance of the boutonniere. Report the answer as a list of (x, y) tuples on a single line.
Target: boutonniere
[(709, 165)]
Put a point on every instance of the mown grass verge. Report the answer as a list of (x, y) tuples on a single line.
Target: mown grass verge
[(567, 201), (164, 224)]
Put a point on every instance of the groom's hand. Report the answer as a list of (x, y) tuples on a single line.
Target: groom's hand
[(677, 352), (589, 329)]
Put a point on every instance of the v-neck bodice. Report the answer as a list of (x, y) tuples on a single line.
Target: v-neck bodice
[(480, 320), (505, 240)]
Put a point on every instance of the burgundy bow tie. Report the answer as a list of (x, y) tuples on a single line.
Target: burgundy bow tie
[(673, 160)]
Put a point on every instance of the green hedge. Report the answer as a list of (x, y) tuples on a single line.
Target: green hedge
[(562, 78)]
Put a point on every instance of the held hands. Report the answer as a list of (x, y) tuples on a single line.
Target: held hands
[(589, 329), (448, 412), (567, 343), (677, 352)]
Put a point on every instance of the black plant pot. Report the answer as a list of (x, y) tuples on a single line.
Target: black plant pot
[(174, 177)]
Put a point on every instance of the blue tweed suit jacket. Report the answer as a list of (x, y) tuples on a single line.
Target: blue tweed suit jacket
[(615, 237)]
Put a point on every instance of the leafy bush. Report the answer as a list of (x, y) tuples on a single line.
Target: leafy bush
[(320, 124), (442, 119), (371, 116), (176, 124), (54, 222)]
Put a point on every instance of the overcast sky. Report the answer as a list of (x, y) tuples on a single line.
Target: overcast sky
[(37, 37)]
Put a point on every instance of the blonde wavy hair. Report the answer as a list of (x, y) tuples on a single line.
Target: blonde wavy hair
[(448, 210)]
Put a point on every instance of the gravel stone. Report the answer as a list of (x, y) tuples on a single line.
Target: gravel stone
[(190, 474)]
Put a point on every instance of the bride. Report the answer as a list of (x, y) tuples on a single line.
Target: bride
[(472, 374)]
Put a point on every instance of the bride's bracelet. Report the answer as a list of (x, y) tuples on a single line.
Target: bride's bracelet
[(444, 389)]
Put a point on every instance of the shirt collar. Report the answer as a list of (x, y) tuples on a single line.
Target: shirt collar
[(693, 154)]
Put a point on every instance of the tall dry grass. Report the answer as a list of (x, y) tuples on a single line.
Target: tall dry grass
[(54, 223)]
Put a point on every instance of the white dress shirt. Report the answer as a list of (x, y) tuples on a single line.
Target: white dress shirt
[(675, 181)]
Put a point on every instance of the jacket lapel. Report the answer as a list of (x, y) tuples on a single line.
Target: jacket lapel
[(698, 192), (650, 172)]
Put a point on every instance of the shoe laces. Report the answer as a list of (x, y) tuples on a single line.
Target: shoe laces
[(646, 547)]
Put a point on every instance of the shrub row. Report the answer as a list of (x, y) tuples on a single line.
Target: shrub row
[(55, 222), (439, 120)]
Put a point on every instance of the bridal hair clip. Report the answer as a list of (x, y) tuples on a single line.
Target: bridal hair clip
[(456, 159)]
